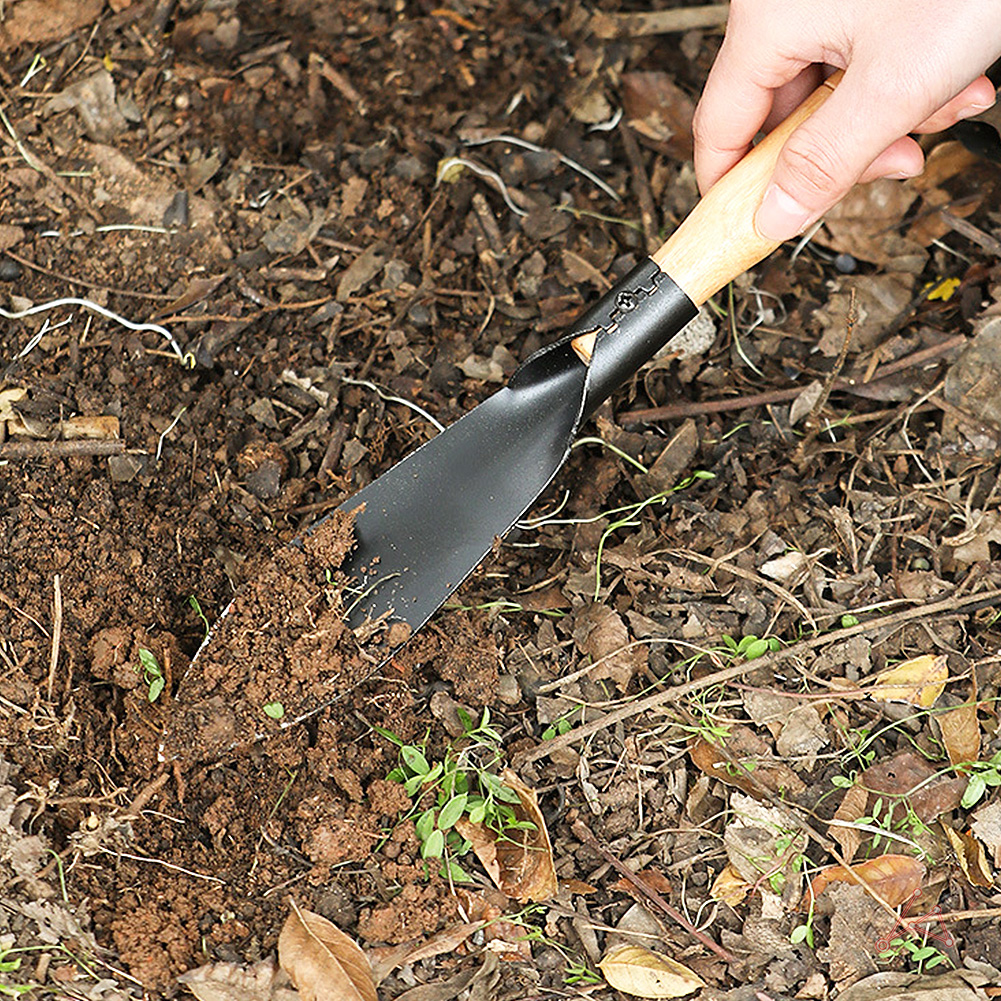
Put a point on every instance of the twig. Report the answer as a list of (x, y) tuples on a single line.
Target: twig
[(965, 228), (166, 865), (83, 283), (59, 449), (581, 831), (661, 22), (641, 186), (673, 694), (57, 631)]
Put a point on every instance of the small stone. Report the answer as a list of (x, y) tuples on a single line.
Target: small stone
[(508, 690), (177, 213), (10, 270), (845, 263)]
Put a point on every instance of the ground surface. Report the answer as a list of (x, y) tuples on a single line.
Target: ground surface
[(300, 242)]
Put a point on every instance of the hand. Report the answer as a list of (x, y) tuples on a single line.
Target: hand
[(910, 66)]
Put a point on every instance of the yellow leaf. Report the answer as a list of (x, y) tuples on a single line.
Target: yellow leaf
[(942, 290), (647, 974), (971, 857), (729, 887), (918, 681)]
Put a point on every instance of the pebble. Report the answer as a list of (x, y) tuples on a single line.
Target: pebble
[(10, 270), (845, 263)]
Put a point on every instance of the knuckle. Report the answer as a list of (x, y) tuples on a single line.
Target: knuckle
[(814, 169)]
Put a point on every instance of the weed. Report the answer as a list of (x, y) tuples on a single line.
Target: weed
[(923, 955), (750, 647), (193, 602), (576, 972), (274, 709), (983, 774), (558, 727), (463, 783), (152, 674)]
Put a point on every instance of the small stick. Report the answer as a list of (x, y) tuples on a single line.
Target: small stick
[(59, 449), (661, 22), (57, 631), (581, 831), (83, 283), (641, 186)]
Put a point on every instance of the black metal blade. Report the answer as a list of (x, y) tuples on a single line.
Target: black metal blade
[(426, 524)]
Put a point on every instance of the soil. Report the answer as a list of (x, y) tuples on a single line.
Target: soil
[(280, 162)]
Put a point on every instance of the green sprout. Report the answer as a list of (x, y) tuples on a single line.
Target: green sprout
[(152, 674)]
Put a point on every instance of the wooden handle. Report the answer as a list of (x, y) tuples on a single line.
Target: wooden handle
[(718, 240)]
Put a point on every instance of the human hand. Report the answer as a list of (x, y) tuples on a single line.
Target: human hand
[(910, 66)]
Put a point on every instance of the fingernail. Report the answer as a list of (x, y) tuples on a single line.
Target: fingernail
[(974, 109), (900, 175), (780, 217)]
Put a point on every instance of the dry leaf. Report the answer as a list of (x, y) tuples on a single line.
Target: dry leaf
[(919, 681), (647, 974), (96, 428), (746, 763), (986, 826), (729, 887), (853, 807), (971, 857), (232, 982), (521, 865), (656, 107), (960, 732), (600, 633), (384, 960), (893, 877), (908, 774), (323, 962)]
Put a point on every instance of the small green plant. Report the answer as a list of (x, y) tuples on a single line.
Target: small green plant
[(983, 775), (922, 955), (193, 602), (751, 647), (152, 674), (848, 620), (274, 709), (464, 783), (578, 972), (804, 932), (558, 727)]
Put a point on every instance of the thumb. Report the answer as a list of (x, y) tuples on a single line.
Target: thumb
[(829, 152)]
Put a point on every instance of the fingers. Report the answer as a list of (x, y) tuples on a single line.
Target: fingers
[(861, 122), (737, 98), (972, 100), (901, 159)]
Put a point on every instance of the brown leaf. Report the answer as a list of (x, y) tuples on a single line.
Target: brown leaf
[(656, 107), (520, 864), (648, 974), (893, 877), (918, 681), (384, 960), (971, 857), (600, 633), (729, 887), (230, 982), (745, 762), (859, 223), (960, 732), (98, 428), (852, 808), (323, 962), (908, 775)]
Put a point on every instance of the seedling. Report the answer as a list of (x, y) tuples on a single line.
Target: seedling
[(193, 602), (983, 775), (152, 674), (274, 709), (463, 783), (751, 647), (922, 955)]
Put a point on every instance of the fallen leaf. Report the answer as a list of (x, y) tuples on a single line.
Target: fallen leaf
[(729, 887), (960, 732), (986, 825), (323, 962), (893, 877), (919, 681), (745, 762), (521, 863), (656, 107), (653, 878), (907, 775), (853, 807), (648, 974), (601, 634), (383, 961), (971, 857), (232, 982)]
